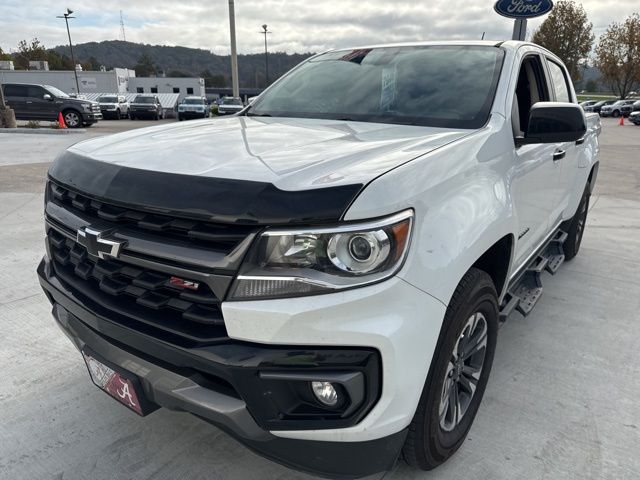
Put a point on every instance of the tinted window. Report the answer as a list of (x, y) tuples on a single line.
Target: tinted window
[(176, 89), (15, 90), (441, 86), (189, 91), (231, 101), (108, 100), (140, 89), (560, 85), (193, 101), (144, 100)]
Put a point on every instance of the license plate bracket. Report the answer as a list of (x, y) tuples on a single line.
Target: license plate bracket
[(118, 383)]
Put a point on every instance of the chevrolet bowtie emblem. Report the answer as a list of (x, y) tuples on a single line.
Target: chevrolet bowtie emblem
[(97, 245)]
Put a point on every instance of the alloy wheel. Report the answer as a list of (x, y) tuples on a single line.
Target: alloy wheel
[(463, 372)]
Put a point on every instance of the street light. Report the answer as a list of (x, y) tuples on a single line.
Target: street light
[(265, 32), (66, 17), (234, 51)]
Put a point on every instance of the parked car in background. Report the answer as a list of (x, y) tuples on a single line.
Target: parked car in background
[(634, 116), (230, 105), (146, 106), (596, 107), (628, 108), (615, 109), (114, 106), (250, 100), (588, 103), (44, 102), (193, 107)]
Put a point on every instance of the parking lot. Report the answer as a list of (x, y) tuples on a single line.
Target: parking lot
[(562, 400)]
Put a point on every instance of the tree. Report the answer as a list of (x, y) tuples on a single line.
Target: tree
[(567, 32), (177, 74), (145, 66), (591, 86), (4, 56), (618, 56), (27, 51)]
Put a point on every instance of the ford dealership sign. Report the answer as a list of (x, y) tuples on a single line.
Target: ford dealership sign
[(523, 8)]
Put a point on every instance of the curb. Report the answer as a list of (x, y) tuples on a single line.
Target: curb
[(43, 131)]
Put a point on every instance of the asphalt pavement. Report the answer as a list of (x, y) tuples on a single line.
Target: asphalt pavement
[(562, 400)]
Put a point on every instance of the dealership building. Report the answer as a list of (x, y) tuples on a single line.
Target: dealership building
[(118, 80)]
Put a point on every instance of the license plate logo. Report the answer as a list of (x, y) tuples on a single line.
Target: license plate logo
[(120, 388)]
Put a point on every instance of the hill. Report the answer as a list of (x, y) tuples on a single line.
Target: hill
[(183, 61)]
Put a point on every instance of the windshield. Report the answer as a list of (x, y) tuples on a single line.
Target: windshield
[(56, 92), (193, 101), (144, 100), (107, 100), (231, 101), (439, 86)]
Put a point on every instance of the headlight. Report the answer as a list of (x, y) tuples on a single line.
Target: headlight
[(292, 263), (86, 107)]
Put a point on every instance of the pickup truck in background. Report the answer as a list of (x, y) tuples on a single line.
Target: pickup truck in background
[(44, 102), (327, 283)]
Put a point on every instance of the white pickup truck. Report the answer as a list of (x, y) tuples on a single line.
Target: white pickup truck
[(323, 275)]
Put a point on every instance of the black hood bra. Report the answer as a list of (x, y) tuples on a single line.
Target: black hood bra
[(204, 198)]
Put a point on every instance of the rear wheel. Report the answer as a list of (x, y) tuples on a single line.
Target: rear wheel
[(72, 118), (118, 114), (458, 375), (616, 113), (576, 227)]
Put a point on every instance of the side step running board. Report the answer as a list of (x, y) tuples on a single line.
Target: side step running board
[(525, 291)]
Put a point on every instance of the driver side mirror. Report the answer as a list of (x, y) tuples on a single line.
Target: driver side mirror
[(46, 96), (554, 122)]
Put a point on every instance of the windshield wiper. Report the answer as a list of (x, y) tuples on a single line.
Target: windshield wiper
[(249, 114)]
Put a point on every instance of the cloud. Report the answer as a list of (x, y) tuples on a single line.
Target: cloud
[(297, 25)]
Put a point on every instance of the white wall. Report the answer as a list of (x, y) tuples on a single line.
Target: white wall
[(64, 80), (167, 85)]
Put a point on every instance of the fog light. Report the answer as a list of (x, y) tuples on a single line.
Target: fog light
[(325, 392)]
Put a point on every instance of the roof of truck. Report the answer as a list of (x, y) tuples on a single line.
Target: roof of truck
[(507, 44)]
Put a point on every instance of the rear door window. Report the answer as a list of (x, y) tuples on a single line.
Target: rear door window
[(560, 84), (15, 90)]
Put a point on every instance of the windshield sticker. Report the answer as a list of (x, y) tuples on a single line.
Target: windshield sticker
[(388, 91)]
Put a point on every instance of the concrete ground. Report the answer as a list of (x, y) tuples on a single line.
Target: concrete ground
[(562, 401)]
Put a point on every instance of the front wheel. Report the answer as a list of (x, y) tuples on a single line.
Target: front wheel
[(459, 373), (72, 119), (616, 114), (576, 227)]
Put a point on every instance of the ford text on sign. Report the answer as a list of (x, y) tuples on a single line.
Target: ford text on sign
[(523, 8)]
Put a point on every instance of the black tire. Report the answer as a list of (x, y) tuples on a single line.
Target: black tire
[(615, 114), (72, 118), (118, 115), (576, 226), (429, 443), (157, 117), (132, 117)]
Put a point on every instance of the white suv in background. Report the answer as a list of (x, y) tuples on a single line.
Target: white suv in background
[(114, 106)]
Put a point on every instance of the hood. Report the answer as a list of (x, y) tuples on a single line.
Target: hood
[(291, 154)]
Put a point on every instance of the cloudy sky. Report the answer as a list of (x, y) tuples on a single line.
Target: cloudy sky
[(297, 25)]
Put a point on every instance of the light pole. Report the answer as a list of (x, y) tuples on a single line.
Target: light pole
[(265, 32), (66, 17), (234, 51)]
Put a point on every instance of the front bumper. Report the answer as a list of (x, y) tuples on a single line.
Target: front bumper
[(218, 383), (189, 115), (91, 117), (144, 113)]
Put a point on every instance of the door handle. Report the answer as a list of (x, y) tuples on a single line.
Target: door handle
[(559, 155), (28, 101), (580, 141)]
